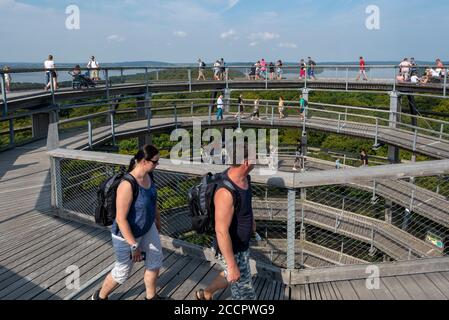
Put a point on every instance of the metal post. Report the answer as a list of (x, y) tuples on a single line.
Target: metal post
[(394, 78), (175, 116), (412, 198), (191, 108), (146, 82), (445, 82), (5, 101), (189, 74), (210, 114), (272, 115), (344, 159), (377, 132), (336, 73), (441, 131), (291, 229), (374, 189), (56, 192), (106, 75), (347, 79), (227, 77), (11, 131), (157, 75), (52, 89), (112, 128), (346, 116), (415, 136), (266, 79), (122, 80), (338, 124), (89, 133), (239, 120)]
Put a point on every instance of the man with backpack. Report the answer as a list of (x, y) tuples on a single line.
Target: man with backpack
[(234, 224)]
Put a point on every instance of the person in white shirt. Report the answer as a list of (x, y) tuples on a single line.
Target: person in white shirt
[(415, 79), (404, 69), (220, 108), (49, 66), (7, 79), (94, 67)]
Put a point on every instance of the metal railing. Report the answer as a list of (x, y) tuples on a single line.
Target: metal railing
[(27, 81), (306, 220)]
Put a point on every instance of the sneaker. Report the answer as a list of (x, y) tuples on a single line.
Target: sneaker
[(96, 295)]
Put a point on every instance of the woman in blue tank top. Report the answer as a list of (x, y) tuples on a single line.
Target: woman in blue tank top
[(135, 232)]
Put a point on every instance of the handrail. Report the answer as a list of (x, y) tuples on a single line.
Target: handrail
[(282, 179), (210, 66)]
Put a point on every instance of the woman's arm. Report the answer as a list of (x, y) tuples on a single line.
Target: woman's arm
[(123, 203), (158, 219)]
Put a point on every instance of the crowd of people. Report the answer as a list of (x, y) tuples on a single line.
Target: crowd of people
[(255, 113), (409, 71)]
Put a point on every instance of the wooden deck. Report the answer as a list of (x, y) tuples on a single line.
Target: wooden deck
[(36, 249)]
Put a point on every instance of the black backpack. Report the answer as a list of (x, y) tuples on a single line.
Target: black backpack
[(106, 195), (201, 200)]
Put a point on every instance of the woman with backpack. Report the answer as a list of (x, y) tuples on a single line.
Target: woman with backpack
[(135, 231)]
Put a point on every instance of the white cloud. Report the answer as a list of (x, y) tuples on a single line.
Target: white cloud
[(288, 45), (115, 38), (263, 36), (253, 44), (180, 34), (230, 34)]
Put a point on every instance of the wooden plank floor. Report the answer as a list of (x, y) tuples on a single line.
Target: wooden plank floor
[(36, 249)]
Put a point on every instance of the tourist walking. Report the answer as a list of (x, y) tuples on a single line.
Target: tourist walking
[(50, 73), (311, 68), (364, 158), (362, 71), (302, 69), (94, 69), (135, 231), (240, 107), (281, 107), (201, 70), (220, 108), (233, 230), (256, 112)]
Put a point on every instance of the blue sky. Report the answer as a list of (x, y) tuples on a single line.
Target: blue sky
[(238, 30)]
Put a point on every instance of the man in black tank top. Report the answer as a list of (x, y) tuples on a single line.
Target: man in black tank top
[(233, 232)]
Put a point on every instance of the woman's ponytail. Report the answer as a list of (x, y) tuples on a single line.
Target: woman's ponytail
[(147, 152), (132, 164)]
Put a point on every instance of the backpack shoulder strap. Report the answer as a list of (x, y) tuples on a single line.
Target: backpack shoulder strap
[(135, 186), (224, 182)]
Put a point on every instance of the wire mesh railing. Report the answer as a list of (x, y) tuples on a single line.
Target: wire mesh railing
[(356, 220)]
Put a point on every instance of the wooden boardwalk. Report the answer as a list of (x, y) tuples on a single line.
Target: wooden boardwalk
[(36, 249)]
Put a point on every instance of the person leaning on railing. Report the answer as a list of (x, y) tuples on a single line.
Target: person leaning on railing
[(135, 231), (7, 79)]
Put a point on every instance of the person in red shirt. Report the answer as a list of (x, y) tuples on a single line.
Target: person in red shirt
[(362, 70)]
